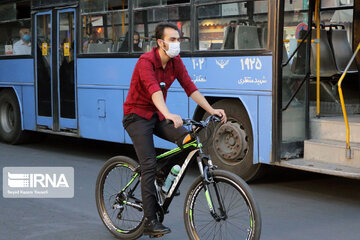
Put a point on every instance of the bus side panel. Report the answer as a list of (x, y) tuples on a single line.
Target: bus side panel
[(250, 103), (19, 75), (100, 114), (28, 99), (101, 84), (17, 71), (252, 73), (265, 126)]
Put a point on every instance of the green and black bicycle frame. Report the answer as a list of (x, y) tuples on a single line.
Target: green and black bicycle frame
[(168, 159)]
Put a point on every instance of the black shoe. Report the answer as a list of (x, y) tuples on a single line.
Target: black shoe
[(155, 228)]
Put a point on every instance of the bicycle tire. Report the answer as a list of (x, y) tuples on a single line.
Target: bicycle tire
[(123, 163), (194, 211)]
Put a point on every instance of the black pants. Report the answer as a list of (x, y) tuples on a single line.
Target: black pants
[(141, 132)]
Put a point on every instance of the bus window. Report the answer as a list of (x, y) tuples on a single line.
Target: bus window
[(145, 21), (293, 118), (104, 26), (15, 31), (341, 17), (339, 29), (295, 27), (340, 3), (239, 25), (152, 3)]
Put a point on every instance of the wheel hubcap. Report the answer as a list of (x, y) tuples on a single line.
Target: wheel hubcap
[(230, 142), (7, 117)]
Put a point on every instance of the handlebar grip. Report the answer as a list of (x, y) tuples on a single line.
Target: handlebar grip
[(171, 122)]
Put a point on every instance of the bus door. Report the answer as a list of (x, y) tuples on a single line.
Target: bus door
[(55, 64)]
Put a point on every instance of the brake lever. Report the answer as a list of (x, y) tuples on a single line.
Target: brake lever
[(187, 121), (216, 118), (212, 118)]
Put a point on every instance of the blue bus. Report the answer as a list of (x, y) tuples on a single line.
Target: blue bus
[(66, 65)]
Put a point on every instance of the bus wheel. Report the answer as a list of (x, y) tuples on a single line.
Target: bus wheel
[(10, 119), (231, 145)]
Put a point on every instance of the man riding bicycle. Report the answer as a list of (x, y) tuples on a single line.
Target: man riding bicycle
[(145, 111)]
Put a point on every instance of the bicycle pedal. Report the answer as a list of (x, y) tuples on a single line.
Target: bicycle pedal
[(156, 236)]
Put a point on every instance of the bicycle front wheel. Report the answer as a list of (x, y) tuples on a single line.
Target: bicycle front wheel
[(237, 213)]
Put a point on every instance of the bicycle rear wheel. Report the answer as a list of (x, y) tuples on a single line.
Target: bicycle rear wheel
[(120, 211), (241, 218)]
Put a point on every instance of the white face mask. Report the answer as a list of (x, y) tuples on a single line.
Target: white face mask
[(174, 49)]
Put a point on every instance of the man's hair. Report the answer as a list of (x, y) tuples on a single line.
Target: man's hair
[(21, 30), (159, 30)]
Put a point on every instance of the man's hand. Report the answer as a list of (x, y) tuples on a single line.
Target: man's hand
[(158, 100), (220, 113), (177, 120), (199, 99)]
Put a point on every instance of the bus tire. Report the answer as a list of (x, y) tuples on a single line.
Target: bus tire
[(231, 145), (10, 118)]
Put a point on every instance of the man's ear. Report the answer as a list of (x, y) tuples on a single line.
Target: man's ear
[(159, 42)]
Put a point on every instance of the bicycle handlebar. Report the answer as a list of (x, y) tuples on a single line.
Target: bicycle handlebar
[(201, 124)]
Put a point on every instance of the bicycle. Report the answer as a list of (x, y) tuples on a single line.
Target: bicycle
[(218, 205)]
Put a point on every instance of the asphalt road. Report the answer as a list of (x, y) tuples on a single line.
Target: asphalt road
[(294, 205)]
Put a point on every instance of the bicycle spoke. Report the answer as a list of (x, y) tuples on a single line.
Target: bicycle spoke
[(204, 224), (128, 220), (215, 232), (238, 213), (237, 227), (208, 232), (221, 231), (116, 190)]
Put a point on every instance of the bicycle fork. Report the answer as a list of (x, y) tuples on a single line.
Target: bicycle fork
[(207, 181)]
